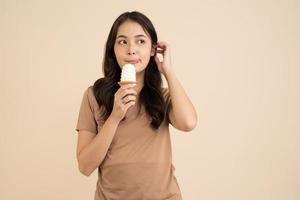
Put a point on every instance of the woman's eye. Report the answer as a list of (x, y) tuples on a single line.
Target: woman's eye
[(125, 42), (122, 41)]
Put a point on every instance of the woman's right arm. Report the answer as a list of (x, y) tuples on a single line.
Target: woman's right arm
[(92, 148)]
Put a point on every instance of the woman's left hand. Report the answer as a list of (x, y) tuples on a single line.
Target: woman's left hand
[(163, 48)]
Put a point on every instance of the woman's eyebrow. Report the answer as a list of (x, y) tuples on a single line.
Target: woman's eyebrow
[(136, 36)]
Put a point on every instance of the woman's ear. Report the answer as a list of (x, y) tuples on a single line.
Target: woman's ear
[(153, 50)]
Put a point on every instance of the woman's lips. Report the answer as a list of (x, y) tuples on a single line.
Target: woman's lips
[(132, 61)]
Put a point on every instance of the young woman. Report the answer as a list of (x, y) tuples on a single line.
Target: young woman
[(124, 131)]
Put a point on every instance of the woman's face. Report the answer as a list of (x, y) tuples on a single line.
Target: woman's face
[(133, 45)]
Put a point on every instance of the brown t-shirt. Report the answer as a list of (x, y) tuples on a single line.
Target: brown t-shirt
[(138, 164)]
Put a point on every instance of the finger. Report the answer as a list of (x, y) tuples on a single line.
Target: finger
[(128, 98), (157, 59), (162, 44), (129, 104), (126, 86), (126, 92), (160, 51)]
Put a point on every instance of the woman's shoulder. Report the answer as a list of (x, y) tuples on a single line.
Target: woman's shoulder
[(94, 106), (89, 93)]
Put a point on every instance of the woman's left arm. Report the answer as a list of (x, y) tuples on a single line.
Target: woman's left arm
[(182, 113)]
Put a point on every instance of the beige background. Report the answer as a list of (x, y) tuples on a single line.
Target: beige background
[(238, 60)]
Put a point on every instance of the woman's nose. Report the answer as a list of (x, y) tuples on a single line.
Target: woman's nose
[(131, 49)]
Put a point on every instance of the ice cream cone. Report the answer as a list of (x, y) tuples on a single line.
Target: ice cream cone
[(121, 83), (128, 75)]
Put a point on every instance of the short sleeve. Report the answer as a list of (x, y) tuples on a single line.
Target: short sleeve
[(86, 119)]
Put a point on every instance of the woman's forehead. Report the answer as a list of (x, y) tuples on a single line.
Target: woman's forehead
[(130, 29)]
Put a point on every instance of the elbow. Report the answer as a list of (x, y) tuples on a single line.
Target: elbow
[(84, 171), (87, 169), (189, 125), (82, 168)]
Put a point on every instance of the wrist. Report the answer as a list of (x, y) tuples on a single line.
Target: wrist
[(114, 119), (167, 73)]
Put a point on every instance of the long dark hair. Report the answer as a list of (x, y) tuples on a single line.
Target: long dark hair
[(151, 95)]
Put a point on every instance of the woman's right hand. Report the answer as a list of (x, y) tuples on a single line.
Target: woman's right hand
[(125, 97)]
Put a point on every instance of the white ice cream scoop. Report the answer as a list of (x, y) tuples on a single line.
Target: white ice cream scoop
[(128, 75)]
